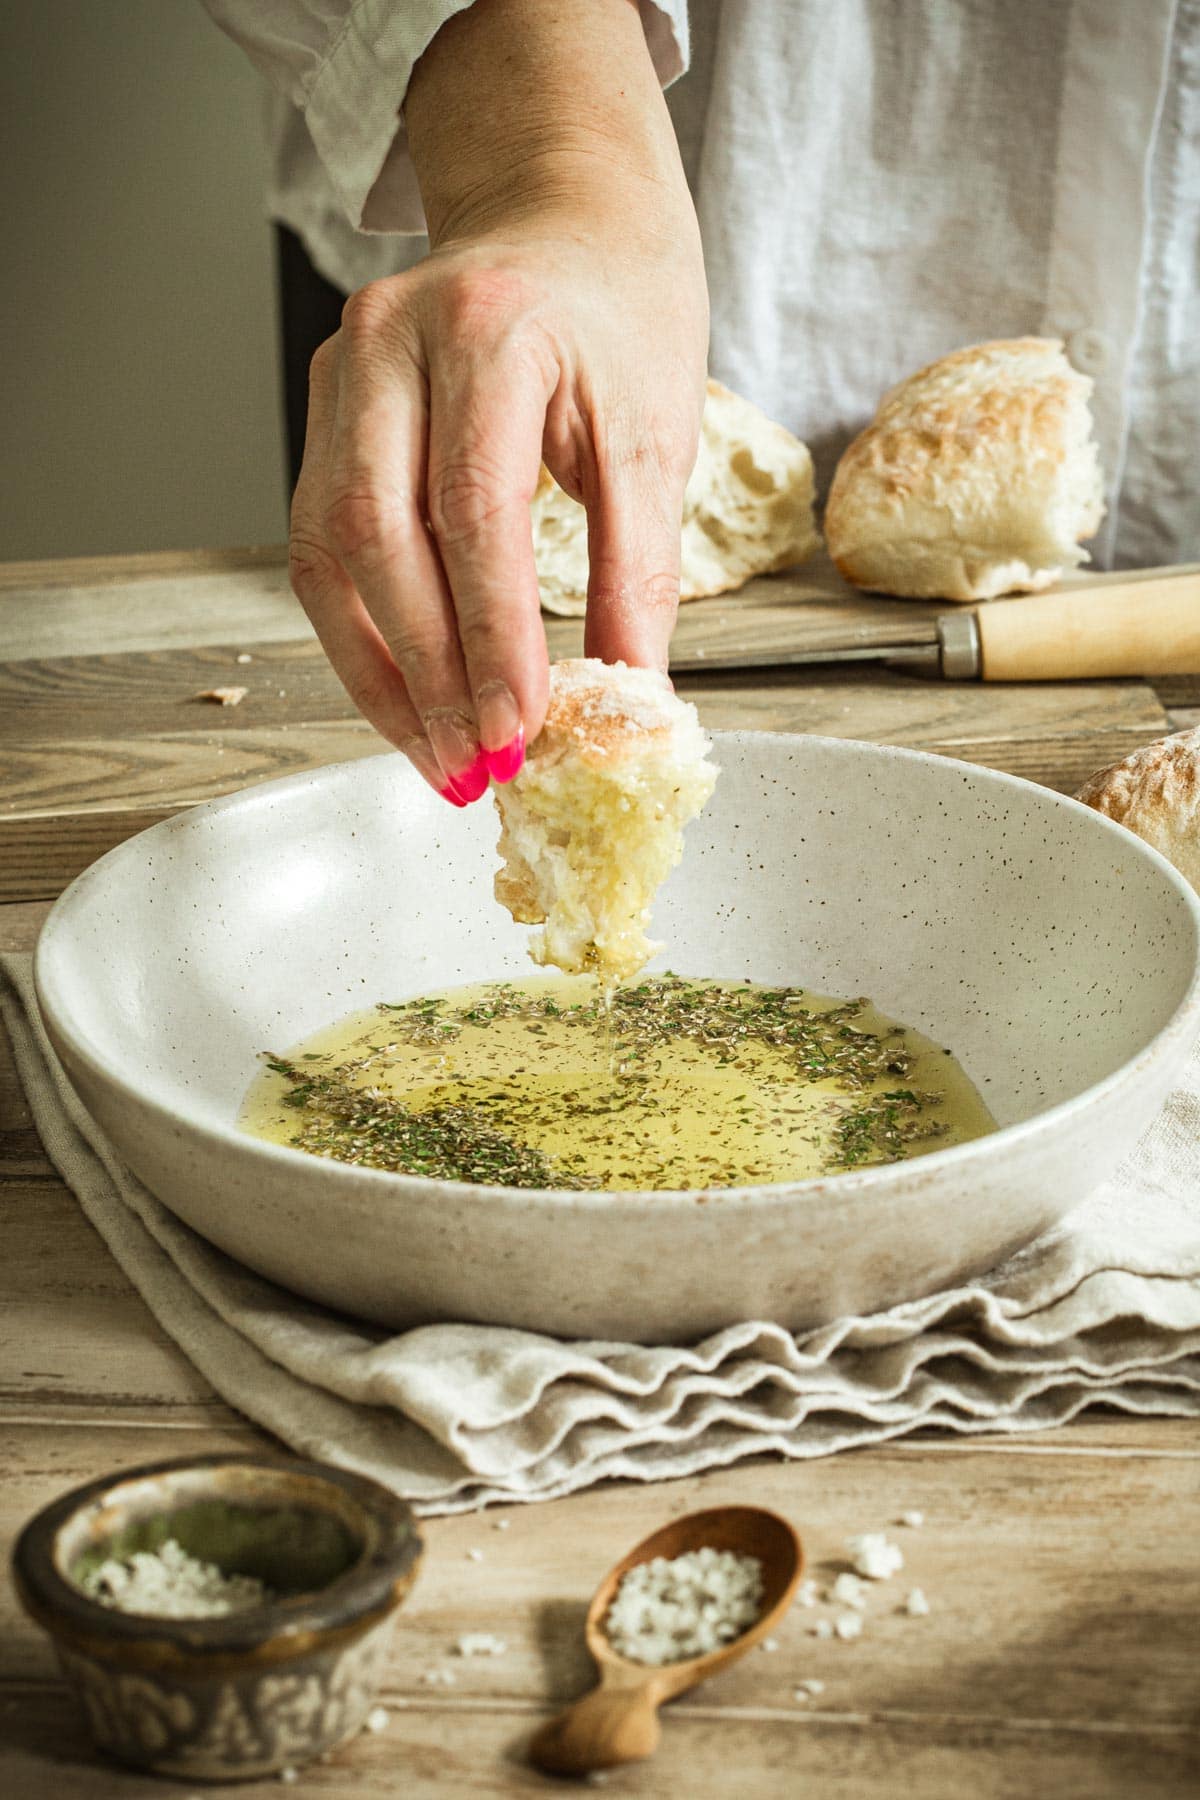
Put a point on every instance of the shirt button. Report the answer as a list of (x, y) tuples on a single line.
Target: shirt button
[(1090, 351)]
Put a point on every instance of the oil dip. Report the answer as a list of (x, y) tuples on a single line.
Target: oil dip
[(664, 1083)]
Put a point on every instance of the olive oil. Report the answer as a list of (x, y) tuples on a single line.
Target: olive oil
[(665, 1083)]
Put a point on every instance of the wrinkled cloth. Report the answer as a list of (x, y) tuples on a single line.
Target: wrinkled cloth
[(1104, 1309)]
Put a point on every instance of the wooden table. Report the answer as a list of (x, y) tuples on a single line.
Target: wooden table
[(1063, 1571)]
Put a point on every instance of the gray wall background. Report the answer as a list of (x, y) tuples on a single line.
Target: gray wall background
[(139, 404)]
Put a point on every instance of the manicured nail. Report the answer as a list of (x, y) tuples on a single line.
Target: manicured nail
[(420, 754), (504, 764), (473, 781), (455, 744), (499, 717)]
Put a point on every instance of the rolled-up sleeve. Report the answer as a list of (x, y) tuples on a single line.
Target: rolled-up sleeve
[(346, 65)]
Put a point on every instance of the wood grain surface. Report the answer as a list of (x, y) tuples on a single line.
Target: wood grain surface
[(102, 733), (1062, 1569)]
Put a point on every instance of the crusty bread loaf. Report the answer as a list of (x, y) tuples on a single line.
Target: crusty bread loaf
[(1156, 793), (977, 477), (594, 822), (747, 509)]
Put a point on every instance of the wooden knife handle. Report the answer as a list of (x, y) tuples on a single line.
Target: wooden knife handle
[(1147, 627)]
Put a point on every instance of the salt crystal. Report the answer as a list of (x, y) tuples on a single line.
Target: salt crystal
[(474, 1555), (288, 1776), (917, 1606), (806, 1593), (873, 1556), (377, 1719), (501, 1524), (848, 1590), (808, 1689), (848, 1625), (667, 1611), (822, 1629), (243, 656), (914, 1520), (770, 1645)]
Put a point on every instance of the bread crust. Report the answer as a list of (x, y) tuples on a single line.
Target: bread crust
[(1155, 792), (976, 477)]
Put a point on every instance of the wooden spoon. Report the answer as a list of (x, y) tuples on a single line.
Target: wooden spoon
[(617, 1722)]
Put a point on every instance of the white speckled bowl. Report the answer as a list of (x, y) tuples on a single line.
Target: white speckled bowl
[(1051, 950)]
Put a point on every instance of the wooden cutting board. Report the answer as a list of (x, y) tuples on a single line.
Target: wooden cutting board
[(101, 733)]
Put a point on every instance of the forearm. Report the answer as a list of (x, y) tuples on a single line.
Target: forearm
[(529, 105)]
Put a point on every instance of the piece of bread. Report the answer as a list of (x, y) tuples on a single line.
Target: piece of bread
[(976, 477), (594, 822), (1155, 792), (747, 509)]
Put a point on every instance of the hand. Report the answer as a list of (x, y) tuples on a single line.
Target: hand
[(561, 316)]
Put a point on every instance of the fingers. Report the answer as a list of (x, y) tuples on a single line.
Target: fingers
[(635, 511), (347, 634), (375, 516), (485, 436)]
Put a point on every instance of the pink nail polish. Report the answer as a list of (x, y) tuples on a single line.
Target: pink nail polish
[(473, 781), (450, 793), (503, 764)]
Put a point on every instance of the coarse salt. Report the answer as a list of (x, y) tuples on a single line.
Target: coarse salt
[(167, 1583), (501, 1524), (874, 1556), (917, 1606), (806, 1593), (289, 1775), (914, 1520), (849, 1590), (822, 1629), (848, 1625), (474, 1555), (377, 1718), (667, 1611), (770, 1645), (439, 1678), (808, 1689)]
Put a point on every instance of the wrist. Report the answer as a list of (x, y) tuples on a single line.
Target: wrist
[(526, 108)]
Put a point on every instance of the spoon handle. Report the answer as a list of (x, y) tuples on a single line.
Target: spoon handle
[(608, 1726)]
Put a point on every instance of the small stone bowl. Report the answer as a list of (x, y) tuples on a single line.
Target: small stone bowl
[(229, 1698)]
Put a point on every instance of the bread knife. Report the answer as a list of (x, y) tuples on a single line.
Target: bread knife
[(1148, 626)]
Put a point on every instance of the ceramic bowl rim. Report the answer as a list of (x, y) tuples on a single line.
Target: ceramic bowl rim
[(365, 1592), (851, 1184)]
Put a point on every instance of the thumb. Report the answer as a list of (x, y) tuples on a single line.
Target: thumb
[(634, 529)]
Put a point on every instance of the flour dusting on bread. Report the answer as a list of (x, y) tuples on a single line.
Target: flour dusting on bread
[(978, 476), (747, 510), (594, 822), (1155, 792)]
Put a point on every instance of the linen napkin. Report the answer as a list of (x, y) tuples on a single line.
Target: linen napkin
[(1105, 1308)]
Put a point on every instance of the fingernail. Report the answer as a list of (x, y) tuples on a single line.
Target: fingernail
[(504, 764), (499, 718), (454, 741), (420, 754), (473, 781)]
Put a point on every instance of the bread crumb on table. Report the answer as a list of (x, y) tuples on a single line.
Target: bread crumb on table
[(223, 696), (480, 1643)]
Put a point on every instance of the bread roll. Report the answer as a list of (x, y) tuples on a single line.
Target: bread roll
[(977, 477), (594, 822), (747, 509), (1155, 792)]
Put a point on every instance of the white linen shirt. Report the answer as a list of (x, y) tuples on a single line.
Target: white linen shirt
[(877, 184)]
